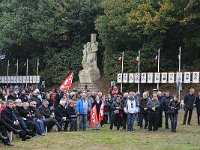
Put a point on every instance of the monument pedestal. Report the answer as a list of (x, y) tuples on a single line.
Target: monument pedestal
[(89, 76)]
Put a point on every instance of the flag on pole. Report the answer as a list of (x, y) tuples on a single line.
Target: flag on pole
[(179, 54), (101, 110), (93, 116), (137, 60), (156, 59), (67, 83)]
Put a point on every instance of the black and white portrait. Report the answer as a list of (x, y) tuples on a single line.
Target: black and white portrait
[(150, 77), (186, 77), (171, 77)]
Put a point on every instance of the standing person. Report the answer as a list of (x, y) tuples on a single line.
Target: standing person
[(144, 110), (160, 97), (116, 106), (153, 108), (131, 110), (198, 107), (174, 106), (165, 103), (98, 103), (110, 101), (82, 108), (123, 105), (188, 106), (72, 117)]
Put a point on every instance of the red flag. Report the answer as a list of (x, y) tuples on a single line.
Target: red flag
[(101, 111), (67, 82), (93, 116)]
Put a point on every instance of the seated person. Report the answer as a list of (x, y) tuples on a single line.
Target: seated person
[(23, 116), (49, 117), (9, 116), (62, 115), (37, 117)]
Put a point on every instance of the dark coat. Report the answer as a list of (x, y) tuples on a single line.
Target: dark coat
[(198, 104), (44, 111), (35, 113), (7, 115), (175, 106), (72, 112), (60, 112), (165, 103), (143, 104), (189, 101), (36, 99), (153, 103), (23, 112), (23, 97)]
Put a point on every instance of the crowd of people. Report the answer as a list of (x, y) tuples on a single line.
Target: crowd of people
[(28, 112)]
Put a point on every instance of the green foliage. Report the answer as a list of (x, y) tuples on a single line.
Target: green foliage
[(148, 25), (52, 30)]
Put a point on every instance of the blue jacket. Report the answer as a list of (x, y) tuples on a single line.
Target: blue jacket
[(79, 106)]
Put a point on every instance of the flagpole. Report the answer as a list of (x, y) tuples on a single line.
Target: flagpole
[(122, 70), (179, 69), (17, 68), (139, 70), (26, 70), (37, 66), (158, 66), (8, 70)]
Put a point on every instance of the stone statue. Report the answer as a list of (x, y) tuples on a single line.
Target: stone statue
[(90, 70)]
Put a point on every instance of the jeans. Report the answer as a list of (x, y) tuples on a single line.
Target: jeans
[(82, 121), (173, 122), (166, 120), (143, 116), (131, 118)]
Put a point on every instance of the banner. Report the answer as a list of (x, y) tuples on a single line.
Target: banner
[(150, 77), (195, 77), (137, 77), (143, 78), (67, 83), (157, 77), (187, 77), (171, 77), (125, 77), (101, 110), (93, 116), (131, 78), (119, 78), (164, 77)]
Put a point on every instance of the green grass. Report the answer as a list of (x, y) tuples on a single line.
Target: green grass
[(186, 138)]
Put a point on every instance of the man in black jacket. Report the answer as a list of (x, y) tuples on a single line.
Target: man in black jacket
[(165, 104), (23, 96), (188, 106), (9, 116), (49, 117), (144, 110), (62, 115), (198, 107), (35, 98)]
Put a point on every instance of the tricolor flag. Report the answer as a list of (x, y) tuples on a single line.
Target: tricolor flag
[(156, 59), (67, 83), (137, 60), (93, 116), (101, 110), (179, 54)]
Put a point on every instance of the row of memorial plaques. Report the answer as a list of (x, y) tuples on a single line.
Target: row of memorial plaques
[(19, 79), (157, 77)]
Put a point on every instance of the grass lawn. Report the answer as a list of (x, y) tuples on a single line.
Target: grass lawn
[(186, 138)]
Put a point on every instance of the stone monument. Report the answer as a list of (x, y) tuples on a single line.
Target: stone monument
[(90, 70)]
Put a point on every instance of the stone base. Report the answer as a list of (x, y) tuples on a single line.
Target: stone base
[(91, 87), (89, 76)]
